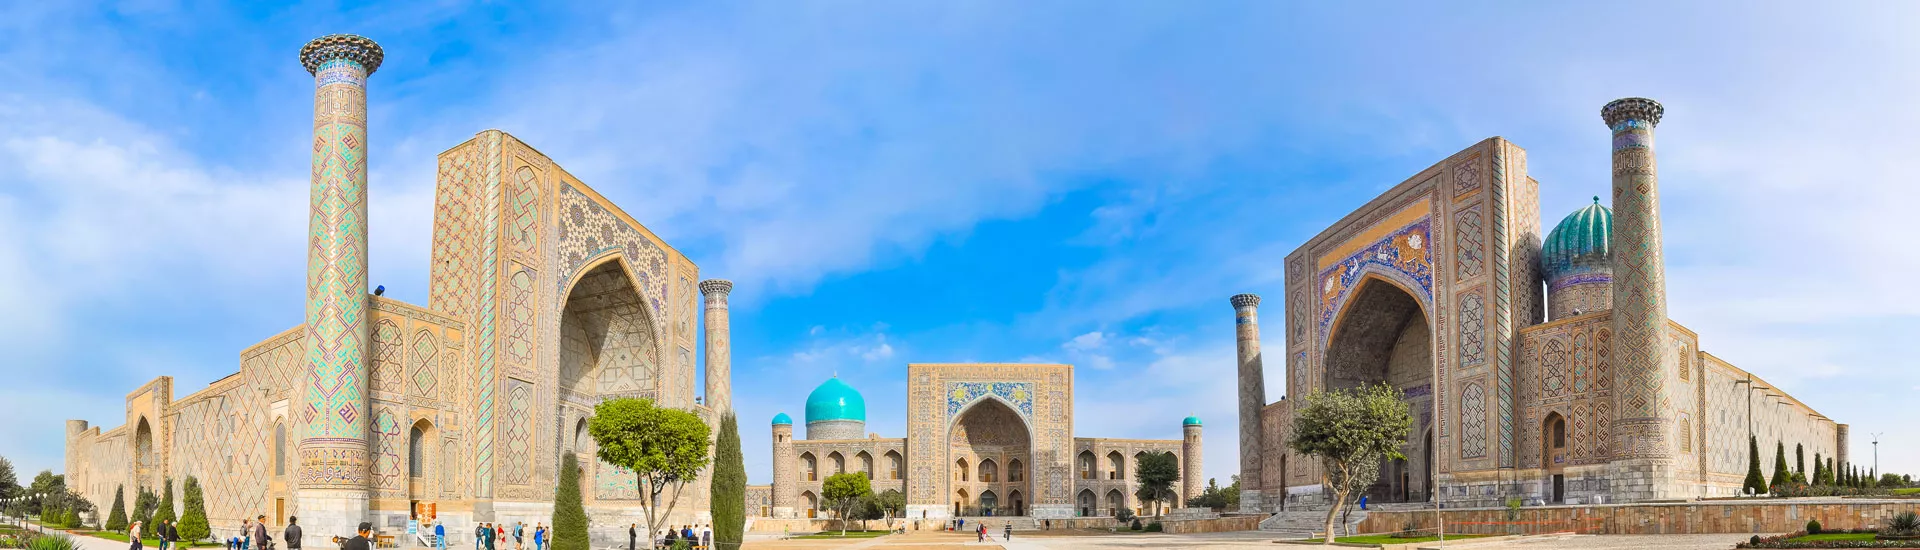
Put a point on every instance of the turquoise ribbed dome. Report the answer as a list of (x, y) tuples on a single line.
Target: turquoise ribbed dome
[(782, 420), (1580, 245), (1191, 421), (835, 400)]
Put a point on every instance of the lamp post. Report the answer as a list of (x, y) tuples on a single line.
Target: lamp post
[(1876, 453), (1750, 388)]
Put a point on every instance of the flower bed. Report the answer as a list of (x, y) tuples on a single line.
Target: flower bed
[(1830, 539)]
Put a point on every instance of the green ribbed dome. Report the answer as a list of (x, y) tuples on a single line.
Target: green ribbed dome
[(1191, 421), (1580, 248), (782, 420), (835, 400)]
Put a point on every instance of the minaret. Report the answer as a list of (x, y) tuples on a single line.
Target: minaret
[(334, 462), (719, 354), (783, 483), (1192, 481), (1253, 397), (1641, 447), (1840, 442)]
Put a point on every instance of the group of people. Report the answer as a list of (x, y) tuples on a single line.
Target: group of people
[(486, 535), (167, 533), (980, 528), (253, 535), (700, 536)]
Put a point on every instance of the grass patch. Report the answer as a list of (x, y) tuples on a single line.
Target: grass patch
[(849, 535), (1833, 536), (1907, 491), (1390, 539)]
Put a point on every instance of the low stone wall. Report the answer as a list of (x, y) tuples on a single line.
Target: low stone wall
[(1214, 525), (1697, 517)]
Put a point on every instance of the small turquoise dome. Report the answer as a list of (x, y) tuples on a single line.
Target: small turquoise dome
[(1579, 250), (782, 420), (835, 400), (1191, 421)]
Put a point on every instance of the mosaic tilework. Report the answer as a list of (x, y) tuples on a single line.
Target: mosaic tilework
[(517, 439), (1505, 172), (333, 449), (424, 364), (1582, 363), (388, 354), (523, 210), (1404, 255), (519, 346), (588, 230), (1019, 395), (1553, 360), (612, 482), (1469, 243), (485, 382), (1473, 421), (1639, 300), (389, 454), (1466, 176), (1473, 327)]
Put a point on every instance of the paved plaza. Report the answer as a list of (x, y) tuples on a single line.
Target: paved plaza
[(1089, 540)]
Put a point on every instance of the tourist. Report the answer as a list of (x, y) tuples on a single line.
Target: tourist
[(980, 532), (706, 535), (479, 536), (260, 538), (672, 536), (686, 533), (519, 533), (363, 540), (439, 534), (133, 534), (292, 533), (486, 535), (500, 533), (633, 535), (539, 536), (1009, 530)]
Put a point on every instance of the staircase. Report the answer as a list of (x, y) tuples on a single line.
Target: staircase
[(1307, 523)]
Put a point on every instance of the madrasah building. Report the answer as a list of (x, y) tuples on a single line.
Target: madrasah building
[(1540, 368), (544, 299)]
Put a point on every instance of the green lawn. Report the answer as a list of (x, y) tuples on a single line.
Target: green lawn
[(835, 534), (1907, 491), (1390, 539), (1833, 536)]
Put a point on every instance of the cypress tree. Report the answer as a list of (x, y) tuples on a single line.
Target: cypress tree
[(570, 522), (1755, 481), (165, 513), (729, 487), (1819, 471), (1780, 476), (1800, 461), (117, 519), (143, 505), (1831, 474), (193, 523)]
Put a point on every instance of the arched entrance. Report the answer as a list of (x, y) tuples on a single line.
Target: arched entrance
[(419, 442), (607, 350), (1086, 502), (146, 462), (985, 436), (1553, 455), (1383, 334)]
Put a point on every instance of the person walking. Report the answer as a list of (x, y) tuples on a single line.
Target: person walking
[(479, 536), (706, 535), (133, 534), (439, 534), (519, 534), (292, 534), (633, 535), (246, 533), (500, 533), (260, 538), (539, 536), (1009, 530)]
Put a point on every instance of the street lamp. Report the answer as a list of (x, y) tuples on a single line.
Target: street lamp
[(1750, 387), (1876, 453)]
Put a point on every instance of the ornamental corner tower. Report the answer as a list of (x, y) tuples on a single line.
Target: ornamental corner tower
[(1253, 394), (719, 356), (1643, 452), (334, 459)]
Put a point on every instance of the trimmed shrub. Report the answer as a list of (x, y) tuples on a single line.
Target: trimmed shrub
[(1813, 527), (193, 524), (117, 519), (1154, 527)]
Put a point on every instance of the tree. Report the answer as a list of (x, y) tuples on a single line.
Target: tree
[(165, 512), (143, 506), (665, 448), (890, 504), (1352, 431), (1155, 475), (117, 518), (9, 483), (843, 491), (1800, 459), (1832, 473), (1780, 477), (1232, 493), (1210, 497), (1755, 484), (45, 486), (193, 522), (570, 521), (1819, 471), (729, 486)]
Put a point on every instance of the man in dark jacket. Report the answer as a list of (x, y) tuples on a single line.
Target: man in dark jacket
[(292, 535), (479, 538), (633, 535), (259, 534), (363, 540)]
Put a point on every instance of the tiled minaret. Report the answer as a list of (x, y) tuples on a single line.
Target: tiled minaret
[(784, 496), (1642, 448), (719, 352), (1192, 480), (333, 472), (1253, 396)]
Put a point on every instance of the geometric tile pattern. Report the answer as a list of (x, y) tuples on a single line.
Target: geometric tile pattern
[(1582, 363), (333, 449), (1405, 255), (1553, 362), (516, 464), (1469, 243), (1019, 395), (388, 349), (387, 459), (1639, 302), (929, 428), (425, 364), (1473, 328), (519, 314), (1503, 311), (523, 210), (1473, 421)]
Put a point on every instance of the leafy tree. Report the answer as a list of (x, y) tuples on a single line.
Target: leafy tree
[(1155, 475), (729, 486), (143, 506), (1800, 460), (46, 485), (1755, 483), (570, 521), (1352, 431), (665, 448), (890, 504), (843, 491), (193, 522), (9, 483), (1232, 493), (165, 512), (1780, 476), (117, 518), (1210, 497)]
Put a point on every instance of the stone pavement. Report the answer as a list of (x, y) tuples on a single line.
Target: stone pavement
[(1622, 542)]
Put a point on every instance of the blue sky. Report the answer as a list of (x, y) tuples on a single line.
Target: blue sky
[(898, 182)]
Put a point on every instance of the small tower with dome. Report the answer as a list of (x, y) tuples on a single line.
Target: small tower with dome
[(836, 411), (1577, 262)]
